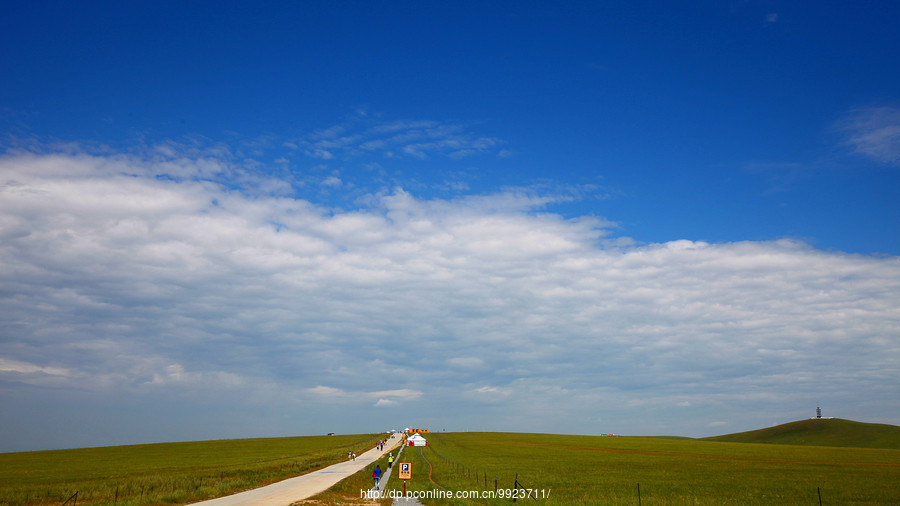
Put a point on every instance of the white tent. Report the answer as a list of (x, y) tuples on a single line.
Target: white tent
[(416, 440)]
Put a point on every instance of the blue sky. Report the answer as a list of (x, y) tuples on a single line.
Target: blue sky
[(237, 219)]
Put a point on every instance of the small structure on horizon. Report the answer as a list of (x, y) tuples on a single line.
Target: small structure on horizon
[(819, 415)]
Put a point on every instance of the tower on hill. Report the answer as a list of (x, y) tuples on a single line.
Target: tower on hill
[(819, 414)]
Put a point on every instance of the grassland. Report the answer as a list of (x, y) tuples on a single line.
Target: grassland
[(559, 469), (821, 432), (168, 473), (568, 470)]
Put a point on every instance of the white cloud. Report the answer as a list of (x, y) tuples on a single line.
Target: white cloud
[(332, 182), (118, 280), (385, 397), (402, 393), (327, 391), (494, 392), (416, 139), (320, 153), (15, 366), (874, 132)]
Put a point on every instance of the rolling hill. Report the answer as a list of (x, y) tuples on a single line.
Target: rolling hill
[(821, 432)]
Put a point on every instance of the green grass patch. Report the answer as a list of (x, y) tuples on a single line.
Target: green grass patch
[(166, 473), (821, 432), (568, 470)]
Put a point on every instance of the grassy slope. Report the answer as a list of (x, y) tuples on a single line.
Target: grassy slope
[(824, 432)]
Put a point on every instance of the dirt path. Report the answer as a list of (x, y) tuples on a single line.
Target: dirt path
[(298, 488)]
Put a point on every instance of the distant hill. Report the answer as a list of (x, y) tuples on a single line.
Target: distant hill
[(821, 432)]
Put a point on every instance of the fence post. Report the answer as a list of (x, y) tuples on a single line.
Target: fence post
[(74, 496), (516, 488), (639, 494), (819, 490)]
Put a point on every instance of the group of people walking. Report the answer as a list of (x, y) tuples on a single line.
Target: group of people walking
[(376, 474)]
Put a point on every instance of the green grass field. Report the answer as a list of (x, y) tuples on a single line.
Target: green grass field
[(566, 470), (167, 473), (558, 469)]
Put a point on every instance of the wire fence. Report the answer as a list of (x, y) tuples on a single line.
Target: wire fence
[(481, 477), (74, 496)]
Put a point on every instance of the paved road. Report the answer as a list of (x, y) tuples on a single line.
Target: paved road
[(298, 488)]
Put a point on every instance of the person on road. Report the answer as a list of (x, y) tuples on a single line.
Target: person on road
[(390, 460), (377, 475)]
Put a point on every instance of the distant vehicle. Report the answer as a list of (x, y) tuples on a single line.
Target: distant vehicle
[(331, 433)]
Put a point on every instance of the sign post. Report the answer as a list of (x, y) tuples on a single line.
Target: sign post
[(405, 474)]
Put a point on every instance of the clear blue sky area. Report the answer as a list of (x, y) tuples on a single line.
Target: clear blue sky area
[(654, 217)]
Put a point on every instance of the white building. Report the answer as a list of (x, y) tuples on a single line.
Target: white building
[(416, 440)]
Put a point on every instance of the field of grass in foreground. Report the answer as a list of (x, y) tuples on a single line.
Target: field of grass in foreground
[(166, 473), (607, 470)]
